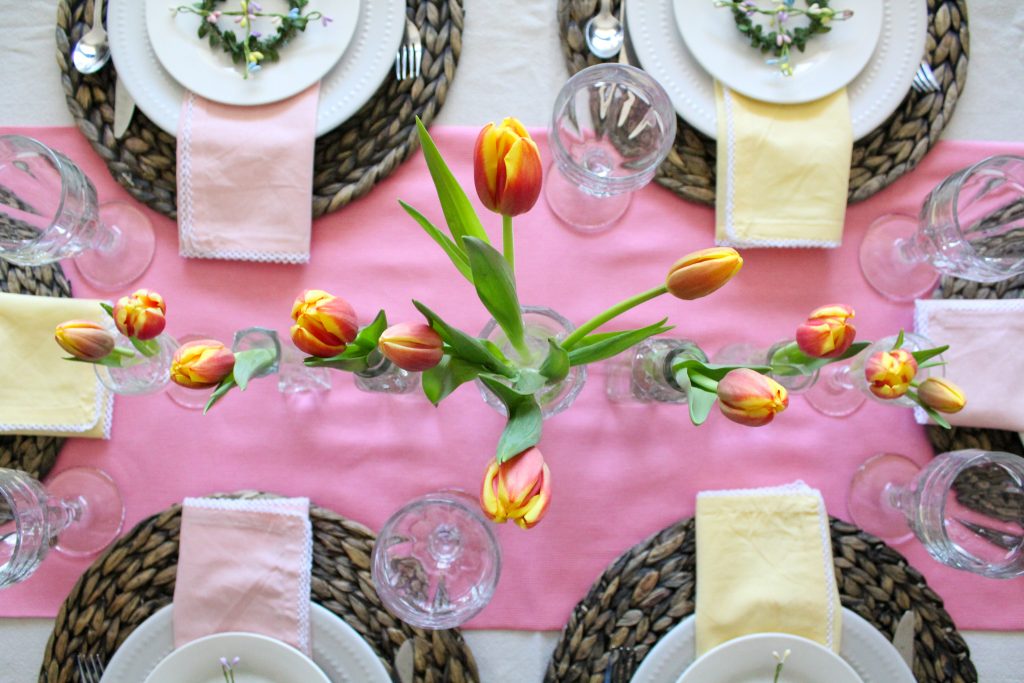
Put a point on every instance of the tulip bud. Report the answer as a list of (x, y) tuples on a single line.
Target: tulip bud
[(889, 373), (702, 272), (201, 364), (84, 339), (750, 398), (826, 332), (942, 395), (506, 168), (518, 489), (140, 315), (324, 324), (411, 346)]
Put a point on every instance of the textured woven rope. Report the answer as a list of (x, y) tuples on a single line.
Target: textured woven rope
[(879, 158), (32, 454), (348, 161), (649, 589), (135, 577)]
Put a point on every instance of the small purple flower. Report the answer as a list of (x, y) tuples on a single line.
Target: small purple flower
[(325, 20), (781, 17), (256, 34), (254, 7)]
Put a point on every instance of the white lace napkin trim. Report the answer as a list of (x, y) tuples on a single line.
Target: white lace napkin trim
[(104, 411)]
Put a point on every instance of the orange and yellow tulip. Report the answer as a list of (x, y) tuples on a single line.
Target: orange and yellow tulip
[(889, 373), (324, 324), (411, 346), (750, 398), (518, 489), (942, 395), (140, 315), (84, 339), (698, 274), (506, 168), (201, 364), (827, 332)]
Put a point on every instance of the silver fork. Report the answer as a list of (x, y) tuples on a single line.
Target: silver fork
[(410, 54), (90, 668), (924, 80)]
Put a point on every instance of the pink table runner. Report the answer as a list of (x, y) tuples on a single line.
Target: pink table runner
[(619, 473)]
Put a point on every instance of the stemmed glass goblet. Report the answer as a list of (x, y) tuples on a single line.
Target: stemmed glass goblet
[(612, 127), (49, 211), (970, 226)]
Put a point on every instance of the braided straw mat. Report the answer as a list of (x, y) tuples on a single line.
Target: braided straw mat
[(32, 454), (348, 161), (879, 158), (135, 577), (650, 588)]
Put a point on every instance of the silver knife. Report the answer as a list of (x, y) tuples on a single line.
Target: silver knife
[(903, 639), (124, 108), (405, 662)]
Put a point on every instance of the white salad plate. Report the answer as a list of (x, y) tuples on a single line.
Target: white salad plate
[(346, 87), (260, 659), (338, 650), (874, 94), (829, 62), (862, 646), (753, 659), (209, 72)]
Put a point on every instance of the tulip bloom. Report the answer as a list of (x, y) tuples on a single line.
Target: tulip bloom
[(140, 315), (750, 398), (324, 324), (518, 489), (411, 346), (201, 364), (827, 332), (506, 168), (889, 373), (942, 395), (698, 274), (84, 339)]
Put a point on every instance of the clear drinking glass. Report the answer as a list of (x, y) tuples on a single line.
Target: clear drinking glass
[(749, 354), (383, 376), (436, 562), (79, 513), (970, 226), (247, 339), (643, 374), (141, 374), (186, 397), (49, 211), (612, 127), (966, 507)]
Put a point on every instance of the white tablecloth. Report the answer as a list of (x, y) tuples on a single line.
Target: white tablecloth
[(512, 65)]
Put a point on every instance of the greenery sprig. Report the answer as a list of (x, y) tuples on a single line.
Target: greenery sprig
[(780, 38), (252, 49)]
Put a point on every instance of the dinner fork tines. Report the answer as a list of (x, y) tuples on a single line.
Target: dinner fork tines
[(924, 79), (410, 54), (90, 668)]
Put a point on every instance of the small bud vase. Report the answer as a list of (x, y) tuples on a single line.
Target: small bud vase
[(383, 376), (140, 374), (750, 354), (643, 374)]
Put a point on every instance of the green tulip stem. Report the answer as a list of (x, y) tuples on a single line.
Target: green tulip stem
[(508, 243), (615, 311), (704, 382)]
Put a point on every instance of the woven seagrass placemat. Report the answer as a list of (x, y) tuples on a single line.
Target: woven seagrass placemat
[(135, 577), (649, 589), (32, 454), (348, 161), (879, 158)]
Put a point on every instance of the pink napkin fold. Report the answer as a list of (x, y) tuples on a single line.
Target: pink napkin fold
[(244, 565), (245, 178), (984, 356)]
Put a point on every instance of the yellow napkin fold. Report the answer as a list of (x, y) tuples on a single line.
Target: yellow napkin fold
[(40, 392), (783, 171), (764, 564)]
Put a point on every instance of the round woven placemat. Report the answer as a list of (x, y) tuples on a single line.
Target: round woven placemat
[(32, 454), (879, 158), (135, 577), (348, 161), (650, 588)]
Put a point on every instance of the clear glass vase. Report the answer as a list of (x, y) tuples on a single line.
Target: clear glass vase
[(140, 374), (643, 374), (384, 377), (540, 324), (794, 381)]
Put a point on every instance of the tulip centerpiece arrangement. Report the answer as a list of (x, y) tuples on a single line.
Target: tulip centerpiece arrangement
[(208, 363)]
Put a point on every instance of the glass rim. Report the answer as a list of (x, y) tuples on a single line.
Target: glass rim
[(54, 158), (969, 172)]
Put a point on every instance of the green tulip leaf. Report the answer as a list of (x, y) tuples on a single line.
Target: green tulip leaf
[(447, 376), (926, 354), (701, 401), (108, 308), (252, 363), (339, 362), (524, 419), (496, 286), (114, 359), (458, 212), (454, 251), (222, 389), (932, 413), (556, 366), (369, 336), (713, 371), (790, 361), (899, 341), (597, 347), (529, 381), (467, 348)]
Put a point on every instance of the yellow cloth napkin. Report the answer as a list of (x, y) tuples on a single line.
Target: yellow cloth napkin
[(40, 392), (783, 171), (764, 564)]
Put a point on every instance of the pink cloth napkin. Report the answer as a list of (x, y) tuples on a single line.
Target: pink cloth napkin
[(245, 178), (984, 357), (244, 565)]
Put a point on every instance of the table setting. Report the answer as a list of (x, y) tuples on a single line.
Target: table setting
[(723, 457)]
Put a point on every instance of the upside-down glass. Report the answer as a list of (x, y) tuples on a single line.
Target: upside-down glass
[(49, 211), (612, 127), (140, 374), (966, 507), (970, 226), (437, 561), (643, 373), (79, 513)]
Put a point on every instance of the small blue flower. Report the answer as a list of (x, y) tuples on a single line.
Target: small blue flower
[(253, 67), (294, 13)]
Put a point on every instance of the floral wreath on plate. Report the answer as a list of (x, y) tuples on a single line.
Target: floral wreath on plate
[(780, 38), (253, 48)]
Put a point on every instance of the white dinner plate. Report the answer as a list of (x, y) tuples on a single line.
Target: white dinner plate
[(829, 62), (753, 658), (259, 660), (209, 71), (874, 94), (338, 650), (345, 88), (862, 646)]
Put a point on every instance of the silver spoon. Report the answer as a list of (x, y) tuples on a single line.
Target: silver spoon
[(603, 32), (92, 50)]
